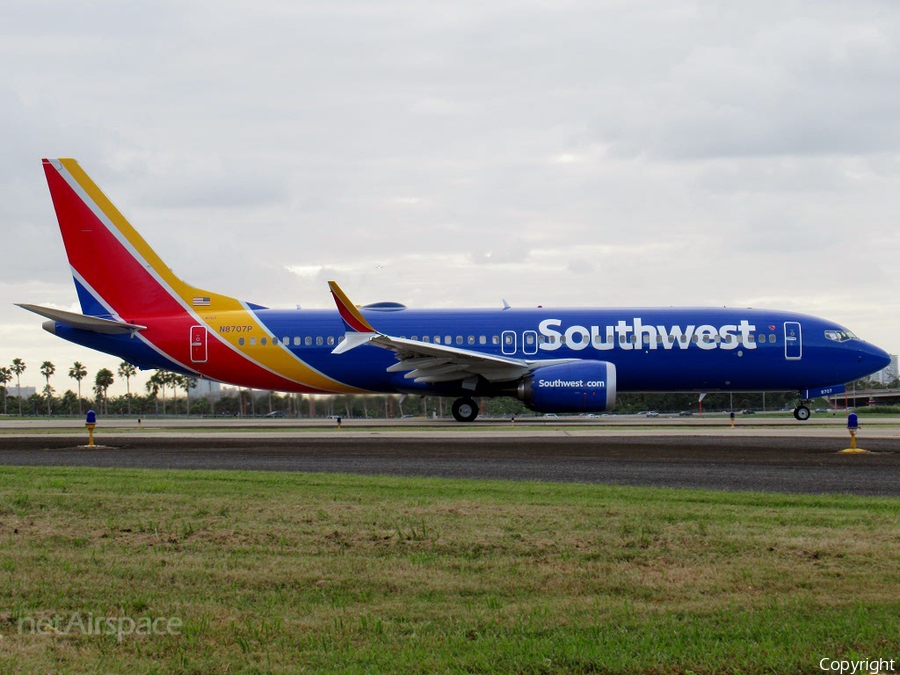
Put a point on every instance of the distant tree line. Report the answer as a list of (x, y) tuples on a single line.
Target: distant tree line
[(168, 393)]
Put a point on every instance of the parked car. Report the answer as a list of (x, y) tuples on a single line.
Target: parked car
[(652, 413), (275, 413), (685, 413)]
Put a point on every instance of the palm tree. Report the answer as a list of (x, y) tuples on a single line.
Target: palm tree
[(127, 371), (102, 382), (69, 401), (5, 378), (187, 383), (170, 379), (18, 367), (78, 372), (155, 384), (47, 369)]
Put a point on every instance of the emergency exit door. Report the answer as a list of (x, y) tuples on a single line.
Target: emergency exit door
[(198, 344)]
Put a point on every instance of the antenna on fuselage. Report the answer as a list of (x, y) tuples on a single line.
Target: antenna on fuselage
[(505, 304)]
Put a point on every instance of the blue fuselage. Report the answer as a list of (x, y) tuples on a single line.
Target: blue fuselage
[(653, 349)]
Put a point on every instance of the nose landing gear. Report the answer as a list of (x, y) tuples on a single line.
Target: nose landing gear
[(801, 412)]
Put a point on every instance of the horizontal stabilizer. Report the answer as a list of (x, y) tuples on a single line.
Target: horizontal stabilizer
[(84, 322)]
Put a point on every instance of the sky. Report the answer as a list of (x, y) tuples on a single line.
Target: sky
[(545, 152)]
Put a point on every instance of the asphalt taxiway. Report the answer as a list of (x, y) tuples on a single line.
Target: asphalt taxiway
[(788, 458)]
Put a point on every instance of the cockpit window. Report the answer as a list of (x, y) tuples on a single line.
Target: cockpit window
[(839, 335)]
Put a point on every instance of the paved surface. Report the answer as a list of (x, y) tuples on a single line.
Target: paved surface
[(740, 460)]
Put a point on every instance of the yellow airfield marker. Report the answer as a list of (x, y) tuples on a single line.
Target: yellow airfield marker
[(90, 423), (852, 427)]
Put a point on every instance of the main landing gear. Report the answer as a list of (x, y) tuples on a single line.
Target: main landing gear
[(465, 410)]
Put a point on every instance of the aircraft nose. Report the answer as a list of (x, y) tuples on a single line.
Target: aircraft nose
[(875, 357)]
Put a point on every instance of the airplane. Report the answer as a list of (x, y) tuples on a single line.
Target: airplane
[(554, 360)]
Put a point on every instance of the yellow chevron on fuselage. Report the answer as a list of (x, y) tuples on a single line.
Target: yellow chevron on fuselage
[(272, 354)]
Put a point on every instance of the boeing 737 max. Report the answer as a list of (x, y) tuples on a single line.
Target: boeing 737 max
[(555, 360)]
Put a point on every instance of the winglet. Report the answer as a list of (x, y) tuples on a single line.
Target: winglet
[(354, 319)]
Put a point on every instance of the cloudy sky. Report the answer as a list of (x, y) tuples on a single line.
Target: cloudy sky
[(547, 152)]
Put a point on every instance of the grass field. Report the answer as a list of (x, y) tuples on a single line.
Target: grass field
[(280, 572)]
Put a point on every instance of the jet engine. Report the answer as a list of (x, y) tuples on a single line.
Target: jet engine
[(579, 386)]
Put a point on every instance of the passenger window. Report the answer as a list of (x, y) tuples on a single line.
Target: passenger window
[(252, 342), (459, 339), (495, 339), (307, 341), (471, 340), (320, 341), (482, 340), (263, 342), (297, 341), (751, 338), (241, 341), (426, 338), (772, 338), (330, 340), (448, 340), (529, 339)]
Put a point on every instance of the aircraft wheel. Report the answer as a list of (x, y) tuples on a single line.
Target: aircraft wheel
[(465, 410), (801, 412)]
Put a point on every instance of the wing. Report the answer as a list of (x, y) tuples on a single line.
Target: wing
[(427, 362)]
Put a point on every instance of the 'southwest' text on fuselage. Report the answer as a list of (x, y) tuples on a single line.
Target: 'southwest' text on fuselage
[(637, 335)]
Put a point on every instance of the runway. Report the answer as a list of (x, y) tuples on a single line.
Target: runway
[(790, 460)]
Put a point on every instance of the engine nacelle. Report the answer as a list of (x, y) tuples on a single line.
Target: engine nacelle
[(579, 386)]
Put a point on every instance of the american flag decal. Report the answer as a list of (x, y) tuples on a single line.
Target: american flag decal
[(201, 302)]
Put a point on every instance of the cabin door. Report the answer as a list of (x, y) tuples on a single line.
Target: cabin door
[(793, 343), (198, 344)]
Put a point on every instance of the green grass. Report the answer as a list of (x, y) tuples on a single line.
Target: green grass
[(280, 572)]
